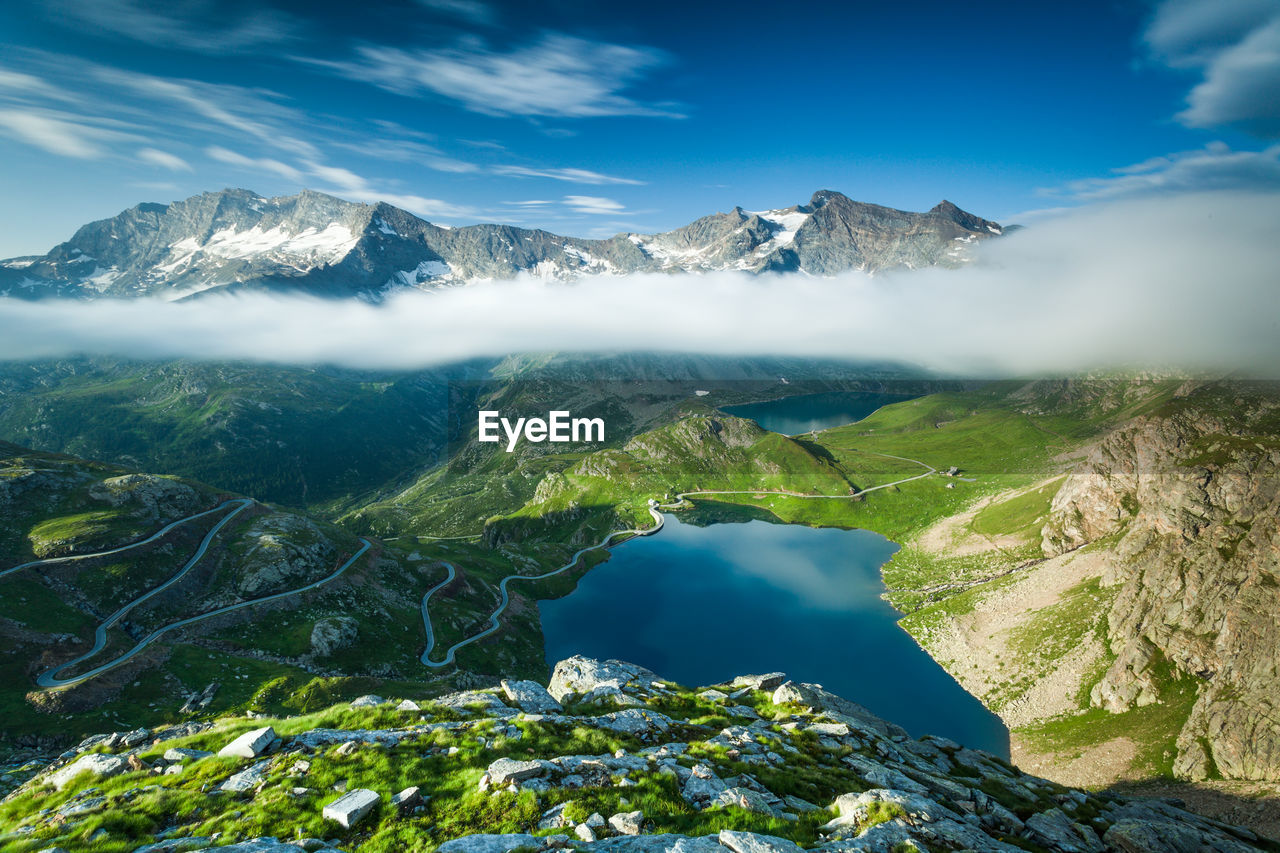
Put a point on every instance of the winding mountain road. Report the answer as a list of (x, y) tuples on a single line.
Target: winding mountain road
[(50, 677), (506, 595), (152, 538)]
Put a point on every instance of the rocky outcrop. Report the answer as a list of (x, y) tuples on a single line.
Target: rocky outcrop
[(707, 787), (284, 550), (157, 497), (333, 634), (1191, 496)]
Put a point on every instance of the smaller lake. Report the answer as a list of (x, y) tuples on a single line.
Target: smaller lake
[(809, 412), (700, 605)]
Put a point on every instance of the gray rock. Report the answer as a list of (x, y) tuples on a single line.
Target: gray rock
[(177, 845), (658, 844), (607, 695), (351, 807), (582, 675), (632, 721), (486, 703), (745, 798), (333, 634), (177, 753), (531, 696), (95, 764), (82, 807), (750, 842), (768, 681), (1134, 836), (369, 700), (259, 845), (815, 697), (504, 771), (490, 843), (1054, 829), (881, 776), (408, 705), (627, 823), (251, 744), (553, 818), (248, 779), (407, 799), (584, 833)]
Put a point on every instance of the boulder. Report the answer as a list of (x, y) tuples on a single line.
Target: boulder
[(369, 700), (351, 807), (486, 703), (751, 842), (582, 675), (333, 634), (1140, 836), (248, 779), (251, 744), (745, 798), (490, 843), (531, 696), (407, 800), (768, 681), (177, 753), (284, 551), (95, 764), (627, 823), (813, 696), (1055, 830), (504, 771)]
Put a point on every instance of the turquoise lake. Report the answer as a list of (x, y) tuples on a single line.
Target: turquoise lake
[(702, 604), (808, 412)]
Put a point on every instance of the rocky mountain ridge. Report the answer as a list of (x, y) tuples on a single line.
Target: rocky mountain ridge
[(324, 246), (758, 765)]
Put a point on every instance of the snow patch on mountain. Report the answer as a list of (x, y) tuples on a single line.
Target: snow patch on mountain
[(316, 246), (788, 222)]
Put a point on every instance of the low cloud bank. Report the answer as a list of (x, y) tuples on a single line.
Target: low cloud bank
[(1191, 282)]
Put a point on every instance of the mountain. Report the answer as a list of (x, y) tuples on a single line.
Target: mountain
[(608, 758), (235, 239)]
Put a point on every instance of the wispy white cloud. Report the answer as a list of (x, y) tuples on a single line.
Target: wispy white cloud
[(1235, 44), (409, 151), (163, 159), (595, 205), (1215, 167), (20, 83), (571, 175), (258, 164), (232, 109), (59, 133), (556, 76), (201, 26), (1186, 281), (472, 11)]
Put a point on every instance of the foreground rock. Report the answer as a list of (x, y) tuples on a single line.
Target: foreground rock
[(250, 744), (352, 807), (684, 770)]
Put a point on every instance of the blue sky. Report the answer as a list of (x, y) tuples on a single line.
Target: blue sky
[(590, 118)]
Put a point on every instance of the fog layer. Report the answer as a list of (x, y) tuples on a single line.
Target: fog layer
[(1191, 282)]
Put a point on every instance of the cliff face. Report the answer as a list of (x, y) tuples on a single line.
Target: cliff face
[(1193, 495)]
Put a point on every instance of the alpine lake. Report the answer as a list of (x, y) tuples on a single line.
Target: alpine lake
[(721, 592)]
